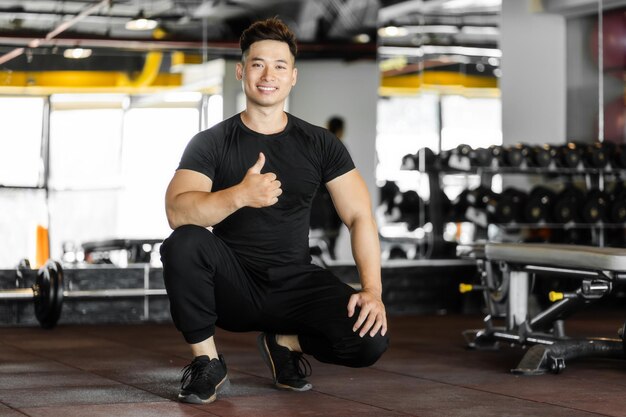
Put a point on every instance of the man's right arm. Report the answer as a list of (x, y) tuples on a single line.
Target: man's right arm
[(189, 199)]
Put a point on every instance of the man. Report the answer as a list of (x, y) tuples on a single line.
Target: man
[(251, 178)]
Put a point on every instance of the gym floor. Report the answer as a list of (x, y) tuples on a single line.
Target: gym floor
[(133, 370)]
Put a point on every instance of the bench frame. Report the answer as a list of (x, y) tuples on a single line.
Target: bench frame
[(506, 271)]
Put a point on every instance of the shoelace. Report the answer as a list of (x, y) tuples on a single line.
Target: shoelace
[(303, 366), (296, 365), (192, 372)]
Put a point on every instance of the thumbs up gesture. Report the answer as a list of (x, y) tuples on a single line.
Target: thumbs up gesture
[(260, 190)]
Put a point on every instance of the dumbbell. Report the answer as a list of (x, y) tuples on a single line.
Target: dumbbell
[(594, 156), (459, 207), (458, 158), (538, 205), (506, 207), (617, 206), (511, 156), (566, 156), (595, 206), (479, 197), (481, 158), (616, 153), (48, 295), (567, 204), (388, 194), (410, 205), (537, 156)]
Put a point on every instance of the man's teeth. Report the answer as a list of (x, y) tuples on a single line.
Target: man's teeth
[(267, 88)]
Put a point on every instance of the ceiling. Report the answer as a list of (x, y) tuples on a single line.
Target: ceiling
[(323, 28), (34, 34)]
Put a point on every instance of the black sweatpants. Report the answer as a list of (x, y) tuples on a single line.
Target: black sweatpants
[(208, 286)]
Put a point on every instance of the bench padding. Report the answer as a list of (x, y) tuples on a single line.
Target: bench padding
[(562, 256)]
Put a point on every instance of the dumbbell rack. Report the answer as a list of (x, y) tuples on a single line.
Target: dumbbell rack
[(594, 178)]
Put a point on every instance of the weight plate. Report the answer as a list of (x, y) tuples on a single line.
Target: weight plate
[(48, 294)]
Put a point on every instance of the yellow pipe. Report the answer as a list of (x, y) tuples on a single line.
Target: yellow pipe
[(147, 75)]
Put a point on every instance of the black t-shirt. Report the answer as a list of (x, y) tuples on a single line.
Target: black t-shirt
[(302, 156)]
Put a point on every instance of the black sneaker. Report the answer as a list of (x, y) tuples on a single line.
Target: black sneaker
[(202, 379), (288, 368)]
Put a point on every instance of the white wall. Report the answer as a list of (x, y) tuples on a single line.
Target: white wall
[(326, 88), (533, 82)]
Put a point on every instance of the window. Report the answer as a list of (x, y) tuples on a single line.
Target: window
[(20, 143)]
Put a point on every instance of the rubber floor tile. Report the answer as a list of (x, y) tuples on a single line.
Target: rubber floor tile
[(164, 409), (26, 380), (294, 404), (9, 412), (34, 364), (433, 399), (35, 397)]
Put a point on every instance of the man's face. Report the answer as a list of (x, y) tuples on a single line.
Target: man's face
[(267, 73)]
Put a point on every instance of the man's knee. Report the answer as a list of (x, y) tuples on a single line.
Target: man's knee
[(371, 349), (360, 352)]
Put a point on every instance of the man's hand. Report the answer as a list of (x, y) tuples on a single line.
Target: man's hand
[(260, 190), (372, 317)]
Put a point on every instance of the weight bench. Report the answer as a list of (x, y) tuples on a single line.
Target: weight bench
[(505, 273)]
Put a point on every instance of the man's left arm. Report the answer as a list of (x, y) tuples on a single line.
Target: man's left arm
[(352, 201)]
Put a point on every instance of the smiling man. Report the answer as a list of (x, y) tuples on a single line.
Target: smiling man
[(238, 258)]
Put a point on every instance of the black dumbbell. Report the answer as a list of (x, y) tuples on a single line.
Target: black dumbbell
[(479, 197), (506, 207), (617, 154), (594, 156), (538, 207), (410, 206), (567, 204), (388, 194), (595, 206), (537, 156), (567, 156), (617, 206), (459, 157), (459, 207), (481, 157), (511, 156)]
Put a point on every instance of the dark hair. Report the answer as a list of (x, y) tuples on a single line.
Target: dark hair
[(272, 29), (335, 124)]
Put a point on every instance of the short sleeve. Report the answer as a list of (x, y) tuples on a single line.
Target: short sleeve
[(336, 159), (201, 155)]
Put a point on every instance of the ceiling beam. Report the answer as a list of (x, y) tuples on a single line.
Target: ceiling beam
[(34, 43)]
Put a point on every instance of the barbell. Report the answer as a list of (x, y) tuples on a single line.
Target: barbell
[(48, 294)]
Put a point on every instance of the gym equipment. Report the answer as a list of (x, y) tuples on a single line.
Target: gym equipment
[(505, 271), (506, 207), (412, 209), (617, 206), (48, 293), (423, 160), (481, 157), (388, 194), (537, 156), (566, 205), (511, 156), (595, 206), (538, 205), (594, 156), (566, 156)]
